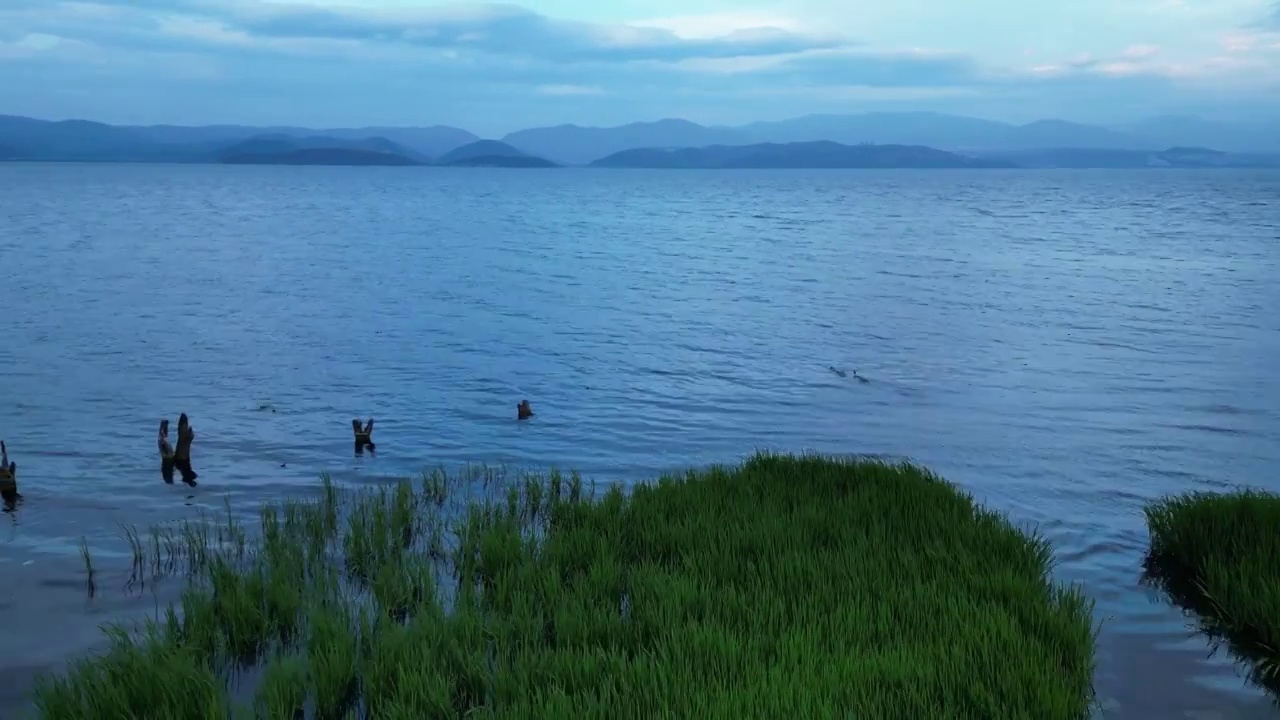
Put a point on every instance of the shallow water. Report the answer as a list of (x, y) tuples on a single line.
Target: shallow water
[(1066, 344)]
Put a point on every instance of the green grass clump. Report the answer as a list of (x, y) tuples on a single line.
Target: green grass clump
[(784, 588), (1218, 555)]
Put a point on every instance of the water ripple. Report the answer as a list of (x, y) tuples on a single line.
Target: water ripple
[(1067, 345)]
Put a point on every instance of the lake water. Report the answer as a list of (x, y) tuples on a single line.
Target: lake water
[(1068, 345)]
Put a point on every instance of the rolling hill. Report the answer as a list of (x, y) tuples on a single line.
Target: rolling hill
[(491, 153)]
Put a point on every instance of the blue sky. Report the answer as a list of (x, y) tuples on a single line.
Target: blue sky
[(496, 67)]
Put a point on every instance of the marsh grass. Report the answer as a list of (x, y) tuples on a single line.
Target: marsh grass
[(787, 587), (87, 558), (1216, 555)]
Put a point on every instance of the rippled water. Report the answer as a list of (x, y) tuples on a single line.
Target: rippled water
[(1067, 345)]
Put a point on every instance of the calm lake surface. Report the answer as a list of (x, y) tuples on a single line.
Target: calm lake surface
[(1067, 345)]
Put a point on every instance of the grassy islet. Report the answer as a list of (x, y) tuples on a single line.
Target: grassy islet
[(785, 587), (1218, 556)]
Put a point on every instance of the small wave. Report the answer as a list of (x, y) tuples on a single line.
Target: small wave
[(1200, 427)]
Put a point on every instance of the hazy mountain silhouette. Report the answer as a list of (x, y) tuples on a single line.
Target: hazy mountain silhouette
[(574, 144), (81, 140), (91, 141), (277, 143), (491, 153), (577, 145), (33, 139), (950, 132), (1186, 130), (425, 142), (818, 154), (1095, 158), (278, 149), (317, 156)]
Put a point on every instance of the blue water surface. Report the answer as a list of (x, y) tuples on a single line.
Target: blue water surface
[(1068, 345)]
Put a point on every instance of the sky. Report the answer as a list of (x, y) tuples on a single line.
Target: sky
[(492, 68)]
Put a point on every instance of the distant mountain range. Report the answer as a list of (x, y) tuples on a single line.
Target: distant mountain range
[(826, 154), (310, 149), (427, 142), (318, 156), (574, 145), (903, 139), (79, 140), (322, 150), (1176, 157), (820, 154)]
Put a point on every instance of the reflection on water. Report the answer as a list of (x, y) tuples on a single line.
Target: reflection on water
[(1067, 345)]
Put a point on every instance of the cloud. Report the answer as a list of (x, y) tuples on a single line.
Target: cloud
[(1272, 19), (35, 45), (504, 43), (719, 24), (1241, 59), (506, 30), (872, 68), (481, 66)]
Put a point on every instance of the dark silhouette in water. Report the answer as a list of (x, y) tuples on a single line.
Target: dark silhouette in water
[(182, 454), (8, 479), (264, 407), (364, 436), (524, 410), (166, 452), (842, 373)]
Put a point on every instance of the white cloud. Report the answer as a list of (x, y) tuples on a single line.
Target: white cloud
[(713, 25), (44, 45)]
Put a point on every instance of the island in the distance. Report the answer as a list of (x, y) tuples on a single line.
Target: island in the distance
[(797, 155), (492, 153), (282, 150)]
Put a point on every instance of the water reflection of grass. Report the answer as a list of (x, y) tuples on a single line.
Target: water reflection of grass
[(788, 587), (1218, 555)]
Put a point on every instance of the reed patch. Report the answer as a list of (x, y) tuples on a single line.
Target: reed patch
[(784, 587), (1218, 556)]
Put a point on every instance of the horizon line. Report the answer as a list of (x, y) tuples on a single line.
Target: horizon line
[(1116, 127)]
